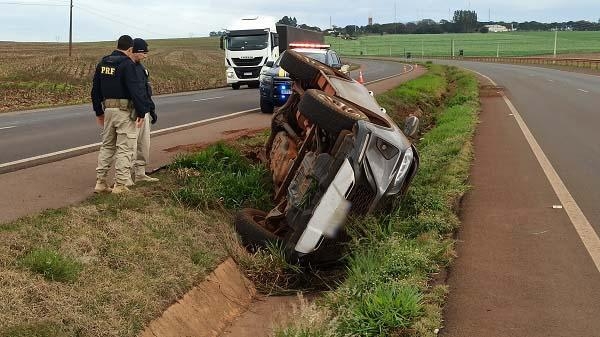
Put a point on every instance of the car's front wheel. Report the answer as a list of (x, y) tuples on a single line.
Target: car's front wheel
[(330, 113)]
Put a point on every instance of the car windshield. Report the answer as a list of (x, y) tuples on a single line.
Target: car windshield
[(249, 42)]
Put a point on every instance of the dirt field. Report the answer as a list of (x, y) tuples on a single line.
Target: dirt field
[(41, 74)]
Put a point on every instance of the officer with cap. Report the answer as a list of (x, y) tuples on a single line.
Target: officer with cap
[(120, 107), (142, 152)]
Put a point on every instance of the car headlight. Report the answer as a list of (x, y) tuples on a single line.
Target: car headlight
[(407, 160), (230, 74)]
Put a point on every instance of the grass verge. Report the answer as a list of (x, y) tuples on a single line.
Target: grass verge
[(110, 265), (391, 287)]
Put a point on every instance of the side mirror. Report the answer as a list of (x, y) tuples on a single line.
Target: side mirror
[(411, 126), (221, 43), (270, 64), (345, 68)]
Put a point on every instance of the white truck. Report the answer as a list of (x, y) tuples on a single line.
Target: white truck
[(249, 43)]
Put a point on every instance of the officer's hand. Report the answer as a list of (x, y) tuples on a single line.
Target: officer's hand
[(139, 122), (154, 117), (100, 120)]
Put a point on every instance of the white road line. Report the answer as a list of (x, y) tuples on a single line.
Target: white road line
[(583, 90), (584, 229), (157, 132), (550, 80), (7, 127), (207, 99)]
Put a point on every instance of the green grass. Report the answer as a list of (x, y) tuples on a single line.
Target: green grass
[(388, 289), (473, 44), (35, 330), (52, 265), (221, 175)]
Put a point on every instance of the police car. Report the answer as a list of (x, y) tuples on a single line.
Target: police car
[(275, 84)]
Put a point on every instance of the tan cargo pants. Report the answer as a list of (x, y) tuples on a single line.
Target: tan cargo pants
[(142, 152), (118, 143)]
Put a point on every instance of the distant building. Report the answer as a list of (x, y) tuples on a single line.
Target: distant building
[(370, 20), (496, 28)]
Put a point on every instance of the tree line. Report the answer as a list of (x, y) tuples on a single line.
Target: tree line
[(463, 21)]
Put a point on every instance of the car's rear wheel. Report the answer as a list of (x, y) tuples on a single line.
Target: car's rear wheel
[(249, 224), (235, 86), (266, 106), (328, 112)]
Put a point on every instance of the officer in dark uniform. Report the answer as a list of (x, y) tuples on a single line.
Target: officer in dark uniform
[(120, 105), (142, 152)]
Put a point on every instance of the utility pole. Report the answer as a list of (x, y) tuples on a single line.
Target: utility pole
[(555, 40), (498, 50), (395, 19), (71, 28)]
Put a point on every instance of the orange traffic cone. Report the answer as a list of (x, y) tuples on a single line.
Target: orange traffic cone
[(360, 80)]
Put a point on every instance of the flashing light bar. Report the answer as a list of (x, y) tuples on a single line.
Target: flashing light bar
[(309, 45)]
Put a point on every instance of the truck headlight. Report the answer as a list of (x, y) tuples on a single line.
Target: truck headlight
[(230, 74), (407, 160)]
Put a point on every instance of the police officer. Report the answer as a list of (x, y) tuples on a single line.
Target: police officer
[(142, 153), (120, 106)]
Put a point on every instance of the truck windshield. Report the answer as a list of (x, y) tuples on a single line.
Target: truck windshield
[(249, 42)]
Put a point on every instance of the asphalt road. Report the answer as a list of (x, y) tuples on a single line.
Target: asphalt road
[(32, 133), (562, 111)]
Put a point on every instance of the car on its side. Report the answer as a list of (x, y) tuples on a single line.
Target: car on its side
[(333, 151), (276, 85)]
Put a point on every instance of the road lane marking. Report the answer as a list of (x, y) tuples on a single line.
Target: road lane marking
[(7, 127), (583, 90), (207, 99), (550, 80), (91, 147), (580, 222), (584, 229)]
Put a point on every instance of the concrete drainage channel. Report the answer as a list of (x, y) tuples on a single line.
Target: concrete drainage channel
[(226, 304)]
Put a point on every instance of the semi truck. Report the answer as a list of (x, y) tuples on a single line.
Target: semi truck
[(251, 42)]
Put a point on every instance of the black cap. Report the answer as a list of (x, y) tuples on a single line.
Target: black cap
[(140, 46)]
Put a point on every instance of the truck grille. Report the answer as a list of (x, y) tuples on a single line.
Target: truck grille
[(247, 72), (247, 62)]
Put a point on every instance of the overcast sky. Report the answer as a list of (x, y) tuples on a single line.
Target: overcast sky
[(48, 20)]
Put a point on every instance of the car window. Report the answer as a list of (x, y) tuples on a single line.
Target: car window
[(335, 58)]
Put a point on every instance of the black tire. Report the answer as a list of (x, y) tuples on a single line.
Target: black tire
[(248, 225), (330, 113), (302, 67), (265, 106), (235, 86)]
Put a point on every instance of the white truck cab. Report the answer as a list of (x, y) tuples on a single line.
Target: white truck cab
[(249, 43)]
